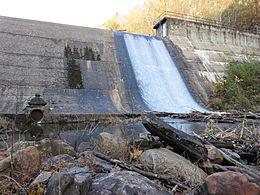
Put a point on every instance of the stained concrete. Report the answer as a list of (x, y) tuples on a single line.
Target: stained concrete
[(32, 61)]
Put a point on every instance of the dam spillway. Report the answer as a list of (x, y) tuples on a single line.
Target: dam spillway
[(111, 73), (158, 79)]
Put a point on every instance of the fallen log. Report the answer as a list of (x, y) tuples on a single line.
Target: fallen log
[(164, 178), (180, 141)]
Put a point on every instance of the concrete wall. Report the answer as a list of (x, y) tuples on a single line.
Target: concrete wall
[(32, 61), (207, 49)]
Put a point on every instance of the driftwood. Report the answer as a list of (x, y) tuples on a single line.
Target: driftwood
[(231, 160), (163, 178), (180, 141), (222, 144), (236, 117)]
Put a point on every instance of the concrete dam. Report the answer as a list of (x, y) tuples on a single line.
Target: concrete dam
[(81, 70)]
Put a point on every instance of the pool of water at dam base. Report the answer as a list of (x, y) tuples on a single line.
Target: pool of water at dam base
[(76, 133)]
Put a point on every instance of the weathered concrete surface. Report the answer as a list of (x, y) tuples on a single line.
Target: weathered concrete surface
[(32, 60), (207, 49)]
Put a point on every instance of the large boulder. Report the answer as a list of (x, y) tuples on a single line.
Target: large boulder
[(125, 182), (50, 147), (47, 147), (25, 161), (164, 161), (75, 180), (113, 146), (227, 183)]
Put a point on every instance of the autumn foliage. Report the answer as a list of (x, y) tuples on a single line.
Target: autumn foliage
[(239, 14)]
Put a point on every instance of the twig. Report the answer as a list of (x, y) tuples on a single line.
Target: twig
[(164, 178), (242, 130), (6, 176)]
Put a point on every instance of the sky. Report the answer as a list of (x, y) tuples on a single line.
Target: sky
[(91, 13)]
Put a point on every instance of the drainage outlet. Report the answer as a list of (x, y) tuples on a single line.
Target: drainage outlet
[(36, 115)]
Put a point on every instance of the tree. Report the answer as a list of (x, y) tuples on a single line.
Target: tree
[(114, 23), (242, 14)]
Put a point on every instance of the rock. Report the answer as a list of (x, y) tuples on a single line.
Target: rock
[(231, 153), (94, 163), (41, 179), (27, 163), (21, 145), (3, 154), (84, 146), (46, 147), (147, 141), (50, 147), (39, 183), (214, 155), (56, 162), (228, 183), (5, 163), (75, 180), (206, 166), (164, 161), (113, 146), (125, 182)]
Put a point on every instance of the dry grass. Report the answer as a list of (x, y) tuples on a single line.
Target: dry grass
[(240, 131)]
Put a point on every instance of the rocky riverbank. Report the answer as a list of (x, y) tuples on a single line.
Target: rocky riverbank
[(115, 165)]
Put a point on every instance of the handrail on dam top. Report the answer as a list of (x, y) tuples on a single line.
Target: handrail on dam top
[(196, 19)]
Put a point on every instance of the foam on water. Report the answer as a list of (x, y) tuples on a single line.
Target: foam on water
[(158, 78)]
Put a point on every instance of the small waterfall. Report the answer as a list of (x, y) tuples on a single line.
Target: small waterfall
[(159, 81)]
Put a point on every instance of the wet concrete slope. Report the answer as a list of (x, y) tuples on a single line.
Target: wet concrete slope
[(158, 79), (134, 98)]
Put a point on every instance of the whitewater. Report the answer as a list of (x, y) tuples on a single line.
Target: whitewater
[(159, 80)]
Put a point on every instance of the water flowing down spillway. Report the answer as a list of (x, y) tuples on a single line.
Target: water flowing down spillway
[(159, 81)]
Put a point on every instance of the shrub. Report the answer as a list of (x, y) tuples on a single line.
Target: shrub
[(240, 88)]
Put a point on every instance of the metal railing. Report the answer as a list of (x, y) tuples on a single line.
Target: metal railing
[(196, 19)]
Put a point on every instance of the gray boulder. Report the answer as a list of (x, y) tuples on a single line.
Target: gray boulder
[(113, 146), (58, 161), (125, 182), (42, 179), (75, 180), (85, 146), (164, 161)]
